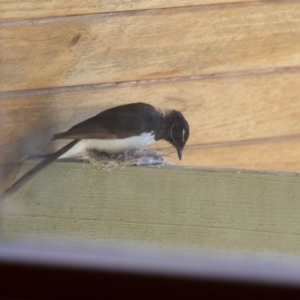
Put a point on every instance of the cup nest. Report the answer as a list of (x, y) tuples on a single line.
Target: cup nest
[(143, 157)]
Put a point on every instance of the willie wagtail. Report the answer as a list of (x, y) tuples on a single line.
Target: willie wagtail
[(116, 130)]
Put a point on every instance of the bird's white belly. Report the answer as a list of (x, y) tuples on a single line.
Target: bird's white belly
[(112, 146)]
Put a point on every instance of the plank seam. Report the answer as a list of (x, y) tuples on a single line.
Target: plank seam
[(267, 140), (148, 11), (135, 83)]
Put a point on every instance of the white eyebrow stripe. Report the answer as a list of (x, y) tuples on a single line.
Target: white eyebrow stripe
[(183, 132)]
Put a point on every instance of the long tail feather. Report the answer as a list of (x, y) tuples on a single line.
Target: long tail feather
[(35, 170)]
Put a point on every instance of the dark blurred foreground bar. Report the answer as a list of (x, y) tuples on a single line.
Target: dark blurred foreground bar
[(30, 270)]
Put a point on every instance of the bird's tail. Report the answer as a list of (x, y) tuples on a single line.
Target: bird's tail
[(35, 170)]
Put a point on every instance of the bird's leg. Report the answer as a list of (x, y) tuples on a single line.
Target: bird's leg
[(124, 155), (96, 154), (122, 160)]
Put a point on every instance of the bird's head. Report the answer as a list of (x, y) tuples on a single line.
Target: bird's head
[(177, 130)]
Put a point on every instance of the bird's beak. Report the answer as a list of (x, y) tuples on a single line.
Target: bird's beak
[(179, 151)]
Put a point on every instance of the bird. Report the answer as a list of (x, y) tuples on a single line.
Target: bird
[(117, 130)]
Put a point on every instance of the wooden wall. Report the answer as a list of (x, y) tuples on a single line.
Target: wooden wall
[(231, 66)]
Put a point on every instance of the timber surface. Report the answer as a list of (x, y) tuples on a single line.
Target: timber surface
[(232, 67), (201, 209), (43, 9), (147, 45)]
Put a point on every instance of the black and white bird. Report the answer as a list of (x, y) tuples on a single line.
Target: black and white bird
[(117, 130)]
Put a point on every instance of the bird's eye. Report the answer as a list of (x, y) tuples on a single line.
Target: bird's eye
[(171, 132)]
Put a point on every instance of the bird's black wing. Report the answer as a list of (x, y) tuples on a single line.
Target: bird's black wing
[(115, 123), (98, 132)]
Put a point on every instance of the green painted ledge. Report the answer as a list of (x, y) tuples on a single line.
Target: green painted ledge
[(167, 206)]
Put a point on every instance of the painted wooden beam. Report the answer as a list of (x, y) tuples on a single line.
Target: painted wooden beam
[(163, 207)]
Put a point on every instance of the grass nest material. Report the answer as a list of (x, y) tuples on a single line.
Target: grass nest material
[(106, 162)]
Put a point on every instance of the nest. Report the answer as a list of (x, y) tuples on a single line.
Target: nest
[(104, 161)]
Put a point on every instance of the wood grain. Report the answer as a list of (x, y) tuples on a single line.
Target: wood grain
[(225, 109), (166, 207), (277, 156), (148, 44), (12, 10)]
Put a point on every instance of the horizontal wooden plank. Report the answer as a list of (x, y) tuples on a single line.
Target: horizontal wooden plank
[(148, 44), (277, 155), (220, 109), (168, 207), (12, 10)]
